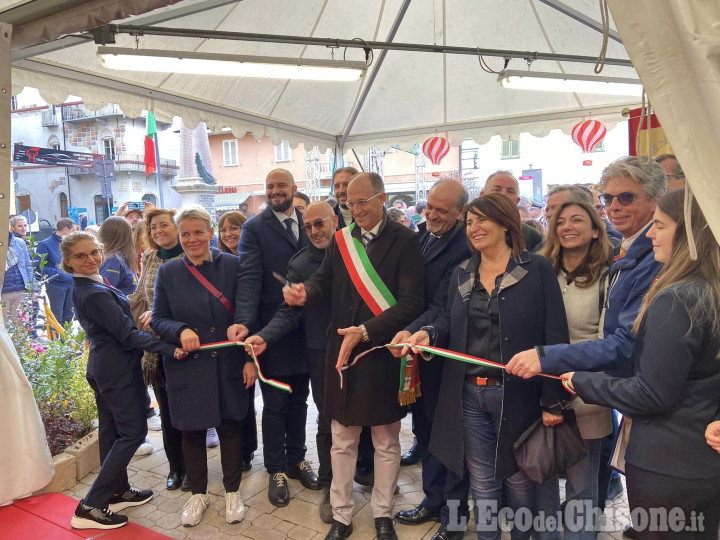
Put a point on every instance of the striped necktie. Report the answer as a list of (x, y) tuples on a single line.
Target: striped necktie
[(367, 238)]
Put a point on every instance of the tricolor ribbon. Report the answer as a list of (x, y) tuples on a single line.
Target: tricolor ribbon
[(222, 344), (460, 357)]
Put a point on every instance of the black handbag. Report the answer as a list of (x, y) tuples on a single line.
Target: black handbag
[(543, 452)]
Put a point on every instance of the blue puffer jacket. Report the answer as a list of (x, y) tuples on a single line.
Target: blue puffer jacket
[(19, 275), (51, 248)]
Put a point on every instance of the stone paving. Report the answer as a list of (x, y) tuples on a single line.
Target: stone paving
[(297, 521)]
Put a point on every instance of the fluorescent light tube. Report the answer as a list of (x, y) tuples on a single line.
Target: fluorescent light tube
[(563, 82), (229, 65)]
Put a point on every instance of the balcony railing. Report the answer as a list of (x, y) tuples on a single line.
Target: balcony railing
[(130, 163), (79, 112)]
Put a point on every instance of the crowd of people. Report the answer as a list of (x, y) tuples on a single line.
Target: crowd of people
[(494, 318)]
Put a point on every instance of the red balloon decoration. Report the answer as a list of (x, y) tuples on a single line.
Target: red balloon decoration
[(588, 134), (436, 148)]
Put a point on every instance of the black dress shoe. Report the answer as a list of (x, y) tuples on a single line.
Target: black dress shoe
[(173, 481), (364, 476), (303, 471), (411, 457), (444, 534), (338, 531), (630, 532), (185, 483), (278, 493), (247, 462), (417, 515), (385, 529)]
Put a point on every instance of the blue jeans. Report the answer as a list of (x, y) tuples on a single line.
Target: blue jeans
[(482, 411), (581, 494), (61, 303)]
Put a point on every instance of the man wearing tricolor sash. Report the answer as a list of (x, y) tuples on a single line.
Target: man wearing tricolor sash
[(374, 278)]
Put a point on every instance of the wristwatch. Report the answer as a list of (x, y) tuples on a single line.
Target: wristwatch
[(365, 336)]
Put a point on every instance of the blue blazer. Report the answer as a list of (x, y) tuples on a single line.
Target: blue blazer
[(675, 390), (629, 280), (531, 312), (207, 386), (51, 248), (116, 346), (118, 274), (266, 247), (440, 260)]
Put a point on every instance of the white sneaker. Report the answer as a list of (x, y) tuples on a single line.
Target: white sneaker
[(154, 423), (194, 508), (234, 507), (211, 438), (144, 449)]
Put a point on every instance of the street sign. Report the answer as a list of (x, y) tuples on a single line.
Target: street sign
[(104, 169), (105, 189)]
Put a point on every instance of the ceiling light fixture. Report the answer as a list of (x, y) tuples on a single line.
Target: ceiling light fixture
[(563, 82), (229, 65)]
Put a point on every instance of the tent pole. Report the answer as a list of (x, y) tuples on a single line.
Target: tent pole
[(5, 146)]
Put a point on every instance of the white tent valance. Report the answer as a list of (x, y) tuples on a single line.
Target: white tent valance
[(404, 98)]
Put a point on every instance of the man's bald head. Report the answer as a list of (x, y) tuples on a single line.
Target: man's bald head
[(320, 223), (504, 183)]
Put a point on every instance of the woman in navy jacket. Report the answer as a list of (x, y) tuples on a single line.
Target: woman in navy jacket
[(674, 393), (208, 388), (500, 301), (114, 373), (120, 267)]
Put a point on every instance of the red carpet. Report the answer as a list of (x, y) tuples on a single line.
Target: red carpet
[(47, 517)]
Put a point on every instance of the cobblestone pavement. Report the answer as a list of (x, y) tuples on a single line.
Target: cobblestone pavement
[(299, 520)]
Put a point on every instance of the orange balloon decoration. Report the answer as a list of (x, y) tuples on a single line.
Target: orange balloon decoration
[(588, 134), (436, 148)]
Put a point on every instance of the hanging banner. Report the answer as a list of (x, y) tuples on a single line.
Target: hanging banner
[(50, 156), (658, 140)]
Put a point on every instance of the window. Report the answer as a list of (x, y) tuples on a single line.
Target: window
[(54, 143), (109, 147), (599, 147), (510, 149), (282, 152), (230, 153)]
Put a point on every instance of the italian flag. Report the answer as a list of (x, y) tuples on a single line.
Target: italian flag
[(150, 165)]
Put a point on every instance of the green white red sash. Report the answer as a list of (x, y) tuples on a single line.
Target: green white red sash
[(378, 298)]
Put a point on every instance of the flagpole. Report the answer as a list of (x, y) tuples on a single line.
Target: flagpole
[(158, 171)]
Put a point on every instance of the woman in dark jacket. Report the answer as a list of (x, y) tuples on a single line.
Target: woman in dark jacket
[(500, 301), (113, 372), (209, 388), (674, 393), (120, 264)]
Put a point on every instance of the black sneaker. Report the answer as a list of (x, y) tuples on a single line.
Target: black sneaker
[(87, 517), (132, 497)]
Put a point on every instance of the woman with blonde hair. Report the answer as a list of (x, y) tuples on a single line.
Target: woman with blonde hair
[(120, 265), (579, 249), (673, 395), (114, 374)]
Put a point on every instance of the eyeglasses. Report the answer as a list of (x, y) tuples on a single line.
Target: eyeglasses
[(362, 203), (624, 199), (80, 257), (232, 228), (600, 207), (315, 225)]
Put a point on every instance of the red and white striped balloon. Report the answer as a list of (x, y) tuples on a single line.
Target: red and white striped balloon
[(588, 134), (436, 148)]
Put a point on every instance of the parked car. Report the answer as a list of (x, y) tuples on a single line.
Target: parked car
[(46, 229)]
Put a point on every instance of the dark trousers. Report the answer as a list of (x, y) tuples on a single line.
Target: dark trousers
[(433, 471), (366, 452), (455, 514), (249, 427), (283, 422), (695, 497), (60, 299), (195, 452), (606, 472), (172, 438), (316, 363), (122, 429)]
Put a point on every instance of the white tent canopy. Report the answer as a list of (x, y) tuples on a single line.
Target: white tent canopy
[(407, 95)]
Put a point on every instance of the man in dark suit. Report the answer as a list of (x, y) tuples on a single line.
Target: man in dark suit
[(369, 395), (268, 241), (444, 246)]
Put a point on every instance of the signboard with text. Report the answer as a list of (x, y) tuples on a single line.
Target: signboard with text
[(51, 156), (531, 185)]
